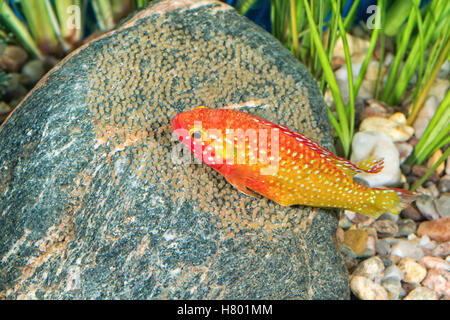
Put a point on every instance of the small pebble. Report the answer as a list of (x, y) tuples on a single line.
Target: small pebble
[(405, 248), (404, 150), (427, 207), (412, 213), (435, 263), (444, 184), (438, 280), (394, 272), (413, 271), (440, 85), (14, 87), (395, 126), (409, 286), (12, 58), (357, 46), (371, 268), (383, 247), (348, 255), (345, 223), (442, 249), (433, 159), (443, 205), (393, 288), (356, 240), (366, 289), (406, 169), (339, 235), (358, 218), (367, 88), (4, 108), (431, 189), (438, 230), (370, 247), (412, 236), (406, 227), (424, 116), (447, 166), (385, 228), (419, 171), (34, 69), (389, 216), (421, 293), (386, 262), (426, 243), (375, 108)]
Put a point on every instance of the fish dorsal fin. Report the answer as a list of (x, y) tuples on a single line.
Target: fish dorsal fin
[(370, 165)]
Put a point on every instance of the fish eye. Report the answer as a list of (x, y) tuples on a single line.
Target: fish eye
[(196, 134)]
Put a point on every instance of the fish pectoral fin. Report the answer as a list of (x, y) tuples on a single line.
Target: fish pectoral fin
[(239, 184)]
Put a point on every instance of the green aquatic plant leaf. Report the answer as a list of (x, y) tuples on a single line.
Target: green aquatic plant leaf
[(436, 134), (397, 14), (434, 24), (244, 5), (341, 124), (430, 171), (444, 51), (404, 37), (104, 14), (19, 29)]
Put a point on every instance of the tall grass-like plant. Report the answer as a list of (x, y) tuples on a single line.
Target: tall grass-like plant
[(299, 24), (104, 13), (424, 28), (70, 33), (442, 54), (341, 123), (405, 38), (20, 30), (433, 168), (55, 27), (436, 134), (421, 36), (431, 38), (244, 5)]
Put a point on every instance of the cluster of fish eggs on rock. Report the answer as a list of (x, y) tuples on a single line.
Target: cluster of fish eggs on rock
[(144, 80)]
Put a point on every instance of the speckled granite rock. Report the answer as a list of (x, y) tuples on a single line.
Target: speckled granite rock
[(92, 206)]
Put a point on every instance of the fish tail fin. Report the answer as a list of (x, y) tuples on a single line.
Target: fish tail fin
[(390, 200)]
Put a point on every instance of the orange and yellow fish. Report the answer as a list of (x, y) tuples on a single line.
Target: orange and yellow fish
[(260, 157)]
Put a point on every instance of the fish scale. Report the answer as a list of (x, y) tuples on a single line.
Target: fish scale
[(301, 172)]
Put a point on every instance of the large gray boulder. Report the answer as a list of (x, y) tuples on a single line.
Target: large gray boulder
[(91, 204)]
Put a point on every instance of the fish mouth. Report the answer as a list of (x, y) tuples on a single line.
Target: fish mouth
[(178, 130), (175, 123)]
